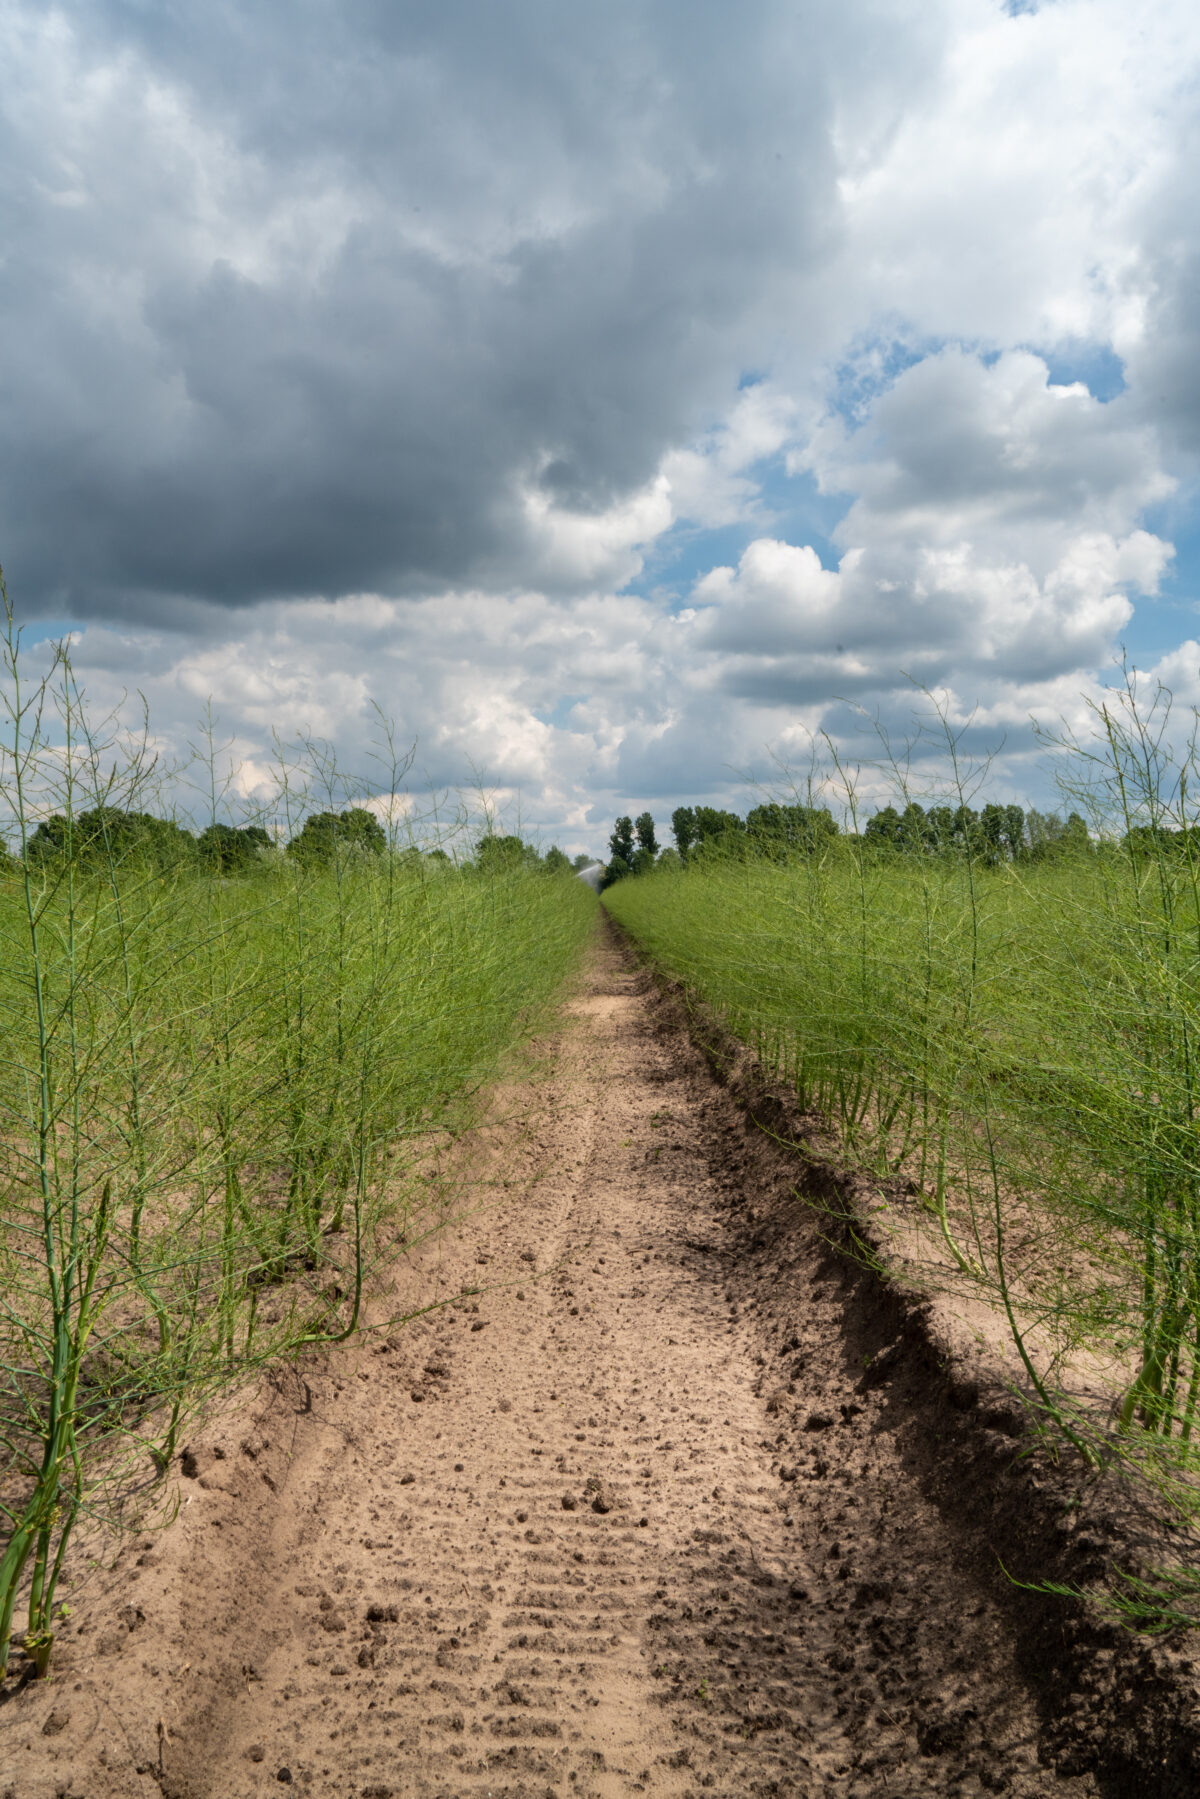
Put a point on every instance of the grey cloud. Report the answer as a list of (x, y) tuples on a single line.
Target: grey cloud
[(994, 535), (1164, 362), (957, 447), (447, 302), (304, 295), (791, 681)]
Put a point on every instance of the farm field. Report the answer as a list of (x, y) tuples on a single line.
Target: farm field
[(216, 1091), (654, 1492), (1010, 1050), (600, 900), (571, 1532), (424, 1371)]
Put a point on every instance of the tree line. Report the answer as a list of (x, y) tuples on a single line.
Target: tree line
[(494, 854), (117, 834), (114, 834), (993, 833)]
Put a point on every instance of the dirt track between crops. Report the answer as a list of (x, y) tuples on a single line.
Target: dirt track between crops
[(631, 1520)]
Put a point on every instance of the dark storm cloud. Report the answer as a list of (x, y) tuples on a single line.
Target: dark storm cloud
[(296, 298)]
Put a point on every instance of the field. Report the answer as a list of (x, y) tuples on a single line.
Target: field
[(1014, 1043), (416, 1367), (213, 1089)]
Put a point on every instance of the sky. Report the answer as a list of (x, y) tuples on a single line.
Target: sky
[(618, 398)]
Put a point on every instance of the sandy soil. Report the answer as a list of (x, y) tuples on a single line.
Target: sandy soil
[(633, 1518)]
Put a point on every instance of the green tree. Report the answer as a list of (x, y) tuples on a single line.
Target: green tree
[(915, 832), (884, 829), (324, 833), (1049, 835), (1076, 835), (499, 855), (111, 832), (620, 852), (1002, 830), (361, 829), (991, 832), (620, 844), (774, 829), (647, 841), (713, 824), (718, 833), (232, 849), (966, 835), (683, 826), (555, 862), (939, 829)]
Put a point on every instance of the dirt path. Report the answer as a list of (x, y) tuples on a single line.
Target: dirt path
[(601, 1530)]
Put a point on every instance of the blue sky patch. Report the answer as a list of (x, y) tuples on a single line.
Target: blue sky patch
[(559, 715), (1097, 365), (790, 507)]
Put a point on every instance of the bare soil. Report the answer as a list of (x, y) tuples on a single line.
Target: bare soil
[(680, 1501)]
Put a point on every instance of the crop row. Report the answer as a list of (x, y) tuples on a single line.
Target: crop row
[(213, 1088), (1018, 1043)]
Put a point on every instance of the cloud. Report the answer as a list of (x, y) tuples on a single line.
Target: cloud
[(468, 683), (712, 482), (965, 446), (1002, 545), (1014, 202), (356, 356), (323, 301)]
